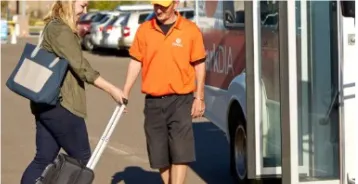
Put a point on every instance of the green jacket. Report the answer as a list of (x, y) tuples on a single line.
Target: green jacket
[(61, 40)]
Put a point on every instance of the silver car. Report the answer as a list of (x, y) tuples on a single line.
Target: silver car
[(112, 32), (129, 27), (97, 28)]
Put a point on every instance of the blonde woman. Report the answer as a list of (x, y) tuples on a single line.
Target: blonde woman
[(63, 126)]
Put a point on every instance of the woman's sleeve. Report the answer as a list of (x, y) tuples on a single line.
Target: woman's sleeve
[(64, 43)]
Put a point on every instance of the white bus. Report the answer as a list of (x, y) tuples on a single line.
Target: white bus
[(281, 84)]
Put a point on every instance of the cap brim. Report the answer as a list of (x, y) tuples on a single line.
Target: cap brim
[(162, 3)]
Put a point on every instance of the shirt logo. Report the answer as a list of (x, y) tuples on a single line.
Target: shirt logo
[(177, 43)]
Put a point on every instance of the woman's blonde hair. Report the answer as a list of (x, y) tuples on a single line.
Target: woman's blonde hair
[(65, 11)]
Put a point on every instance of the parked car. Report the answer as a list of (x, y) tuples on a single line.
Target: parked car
[(87, 16), (84, 23), (112, 32), (84, 29), (129, 27), (135, 7), (97, 29)]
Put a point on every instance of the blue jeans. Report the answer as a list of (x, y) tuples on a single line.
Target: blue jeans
[(57, 128)]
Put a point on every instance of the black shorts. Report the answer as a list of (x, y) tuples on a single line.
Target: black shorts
[(168, 130)]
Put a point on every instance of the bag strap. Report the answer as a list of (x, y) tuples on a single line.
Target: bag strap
[(38, 46)]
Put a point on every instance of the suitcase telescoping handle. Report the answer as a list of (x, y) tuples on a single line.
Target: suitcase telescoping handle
[(106, 135)]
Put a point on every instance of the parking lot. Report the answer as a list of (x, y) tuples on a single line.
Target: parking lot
[(125, 159)]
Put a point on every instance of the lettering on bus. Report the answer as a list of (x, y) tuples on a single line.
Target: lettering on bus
[(219, 60)]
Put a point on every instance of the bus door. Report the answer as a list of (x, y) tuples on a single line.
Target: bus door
[(297, 110), (263, 88), (348, 51), (318, 111)]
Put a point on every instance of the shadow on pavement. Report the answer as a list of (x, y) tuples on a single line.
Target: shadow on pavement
[(212, 154), (110, 52), (212, 161), (213, 157), (136, 175)]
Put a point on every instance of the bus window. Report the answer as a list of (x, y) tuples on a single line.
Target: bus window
[(234, 14), (189, 15), (269, 14), (270, 84), (348, 8)]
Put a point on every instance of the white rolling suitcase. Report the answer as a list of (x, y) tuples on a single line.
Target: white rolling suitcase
[(67, 170)]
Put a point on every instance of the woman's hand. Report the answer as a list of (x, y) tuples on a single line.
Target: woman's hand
[(117, 95), (115, 92)]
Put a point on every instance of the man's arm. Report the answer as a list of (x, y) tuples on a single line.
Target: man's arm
[(134, 68), (200, 71), (135, 65), (197, 59)]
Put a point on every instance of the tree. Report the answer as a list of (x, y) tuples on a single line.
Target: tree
[(4, 6), (108, 5)]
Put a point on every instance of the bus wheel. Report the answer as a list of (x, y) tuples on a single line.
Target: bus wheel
[(238, 150)]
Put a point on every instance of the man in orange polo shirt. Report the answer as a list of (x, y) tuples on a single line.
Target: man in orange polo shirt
[(170, 51)]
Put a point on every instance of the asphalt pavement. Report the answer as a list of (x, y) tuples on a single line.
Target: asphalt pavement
[(125, 159)]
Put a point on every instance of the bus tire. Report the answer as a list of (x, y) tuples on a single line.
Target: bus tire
[(238, 148)]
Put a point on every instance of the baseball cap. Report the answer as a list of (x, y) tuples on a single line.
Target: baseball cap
[(164, 3)]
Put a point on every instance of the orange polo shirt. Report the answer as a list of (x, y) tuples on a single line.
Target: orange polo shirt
[(167, 59)]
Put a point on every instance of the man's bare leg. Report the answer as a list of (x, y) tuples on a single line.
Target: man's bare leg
[(178, 173), (165, 174)]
